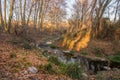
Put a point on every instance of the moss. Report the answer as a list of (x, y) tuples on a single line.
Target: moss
[(115, 58), (53, 46)]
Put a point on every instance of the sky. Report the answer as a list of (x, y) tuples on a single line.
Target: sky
[(71, 2), (69, 8)]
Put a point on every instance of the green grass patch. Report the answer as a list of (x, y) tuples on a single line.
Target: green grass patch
[(53, 46), (48, 68), (84, 53), (115, 58), (54, 60), (73, 70), (72, 52)]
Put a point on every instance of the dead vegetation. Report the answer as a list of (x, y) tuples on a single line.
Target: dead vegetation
[(15, 59)]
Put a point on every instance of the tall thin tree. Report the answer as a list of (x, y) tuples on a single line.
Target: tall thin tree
[(10, 15)]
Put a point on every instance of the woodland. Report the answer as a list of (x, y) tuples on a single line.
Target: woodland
[(59, 39)]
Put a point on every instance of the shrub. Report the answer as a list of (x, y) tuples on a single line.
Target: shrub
[(49, 68), (54, 60), (74, 71)]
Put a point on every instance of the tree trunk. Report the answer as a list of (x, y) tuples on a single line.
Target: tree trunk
[(5, 21), (36, 10), (10, 15), (40, 23), (21, 11), (24, 12), (32, 4), (1, 18)]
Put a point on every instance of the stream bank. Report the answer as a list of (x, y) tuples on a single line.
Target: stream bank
[(90, 65)]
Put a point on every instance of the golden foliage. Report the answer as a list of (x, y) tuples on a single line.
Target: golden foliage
[(80, 40), (83, 43)]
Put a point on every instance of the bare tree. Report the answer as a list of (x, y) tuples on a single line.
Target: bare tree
[(56, 13), (116, 9), (5, 21), (24, 13), (86, 21), (44, 4), (1, 17), (21, 14), (10, 15), (31, 7), (36, 10)]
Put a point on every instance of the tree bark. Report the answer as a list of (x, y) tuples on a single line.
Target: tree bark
[(32, 4), (5, 20), (1, 18), (10, 15)]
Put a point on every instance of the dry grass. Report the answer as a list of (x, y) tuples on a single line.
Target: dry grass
[(109, 47), (14, 61)]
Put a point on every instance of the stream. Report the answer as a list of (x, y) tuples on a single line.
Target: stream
[(89, 65)]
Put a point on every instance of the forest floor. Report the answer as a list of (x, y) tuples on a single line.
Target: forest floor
[(16, 57), (15, 60)]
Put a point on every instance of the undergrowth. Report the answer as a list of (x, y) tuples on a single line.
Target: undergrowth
[(115, 58), (73, 70)]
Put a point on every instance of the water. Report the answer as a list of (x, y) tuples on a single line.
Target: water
[(88, 64)]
